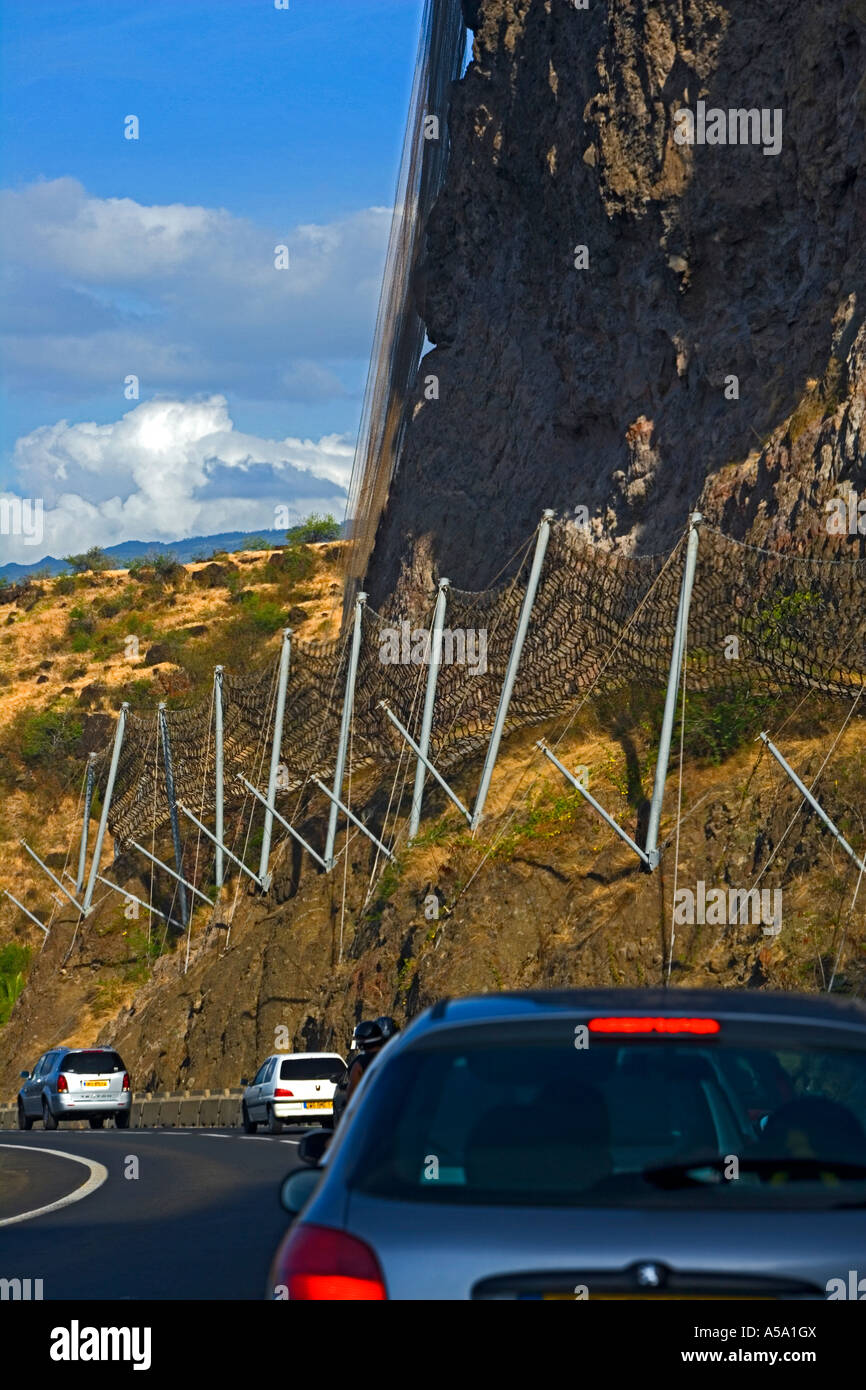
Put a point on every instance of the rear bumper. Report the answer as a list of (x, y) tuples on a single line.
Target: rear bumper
[(295, 1109), (75, 1108)]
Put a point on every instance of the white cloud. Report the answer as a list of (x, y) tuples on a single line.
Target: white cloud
[(187, 298), (168, 469)]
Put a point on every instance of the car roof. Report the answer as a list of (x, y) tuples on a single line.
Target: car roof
[(527, 1005), (293, 1056)]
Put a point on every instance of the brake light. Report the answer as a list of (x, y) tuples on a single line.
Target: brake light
[(280, 1091), (126, 1081), (317, 1263), (62, 1083), (654, 1025)]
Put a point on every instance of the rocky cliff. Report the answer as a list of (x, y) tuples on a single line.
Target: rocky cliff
[(627, 322)]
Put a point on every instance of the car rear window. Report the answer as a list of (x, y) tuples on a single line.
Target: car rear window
[(620, 1122), (91, 1063), (311, 1069)]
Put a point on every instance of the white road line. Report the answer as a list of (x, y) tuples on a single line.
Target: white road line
[(290, 1141), (216, 1136), (98, 1175)]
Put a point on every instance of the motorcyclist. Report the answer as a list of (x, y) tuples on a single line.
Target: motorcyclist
[(369, 1037), (368, 1040)]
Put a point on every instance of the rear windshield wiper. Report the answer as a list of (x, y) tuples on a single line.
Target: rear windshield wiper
[(672, 1176)]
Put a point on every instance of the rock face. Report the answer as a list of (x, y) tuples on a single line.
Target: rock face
[(705, 346)]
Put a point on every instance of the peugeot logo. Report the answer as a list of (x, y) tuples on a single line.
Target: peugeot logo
[(649, 1276)]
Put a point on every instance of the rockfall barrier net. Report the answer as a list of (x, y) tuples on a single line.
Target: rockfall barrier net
[(760, 622)]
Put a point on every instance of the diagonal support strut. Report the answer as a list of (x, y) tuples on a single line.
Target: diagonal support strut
[(816, 806), (282, 820), (424, 760), (203, 828), (339, 805), (605, 815)]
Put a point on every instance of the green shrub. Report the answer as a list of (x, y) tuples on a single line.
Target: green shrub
[(717, 725), (265, 615), (158, 564), (786, 620), (82, 625), (255, 543), (298, 564), (111, 608), (315, 528), (45, 736), (93, 560), (65, 584), (139, 694), (140, 626), (14, 960)]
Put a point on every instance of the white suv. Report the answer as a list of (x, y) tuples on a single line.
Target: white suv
[(289, 1086)]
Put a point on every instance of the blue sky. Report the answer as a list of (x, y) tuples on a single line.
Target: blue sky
[(155, 257)]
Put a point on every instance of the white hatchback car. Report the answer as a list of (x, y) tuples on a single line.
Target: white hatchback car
[(292, 1086)]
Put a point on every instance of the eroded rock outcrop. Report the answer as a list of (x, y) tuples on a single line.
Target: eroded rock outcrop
[(709, 350)]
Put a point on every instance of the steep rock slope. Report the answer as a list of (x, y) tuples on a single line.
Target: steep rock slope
[(608, 387)]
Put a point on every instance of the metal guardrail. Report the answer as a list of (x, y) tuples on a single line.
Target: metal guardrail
[(207, 1109)]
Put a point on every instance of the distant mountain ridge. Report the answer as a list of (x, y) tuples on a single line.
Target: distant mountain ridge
[(193, 548)]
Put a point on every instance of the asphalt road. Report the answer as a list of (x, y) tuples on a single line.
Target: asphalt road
[(200, 1220)]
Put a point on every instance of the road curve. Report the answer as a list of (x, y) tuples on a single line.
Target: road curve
[(182, 1213), (36, 1180)]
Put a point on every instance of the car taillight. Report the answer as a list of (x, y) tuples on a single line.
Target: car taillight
[(280, 1092), (317, 1263), (654, 1025), (61, 1083), (126, 1081)]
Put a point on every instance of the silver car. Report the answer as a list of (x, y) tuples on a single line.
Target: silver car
[(292, 1086), (70, 1083), (594, 1145)]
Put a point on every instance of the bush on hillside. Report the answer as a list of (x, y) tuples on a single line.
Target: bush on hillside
[(315, 528), (45, 736), (14, 960), (160, 565), (93, 560)]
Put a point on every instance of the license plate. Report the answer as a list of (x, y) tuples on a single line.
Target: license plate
[(317, 1105), (96, 1083)]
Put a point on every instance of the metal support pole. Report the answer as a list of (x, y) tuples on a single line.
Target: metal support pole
[(345, 725), (172, 810), (126, 894), (291, 829), (106, 807), (159, 864), (592, 801), (53, 877), (655, 814), (276, 749), (511, 672), (423, 761), (812, 802), (435, 661), (203, 828), (26, 911), (219, 770), (352, 817), (85, 824)]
